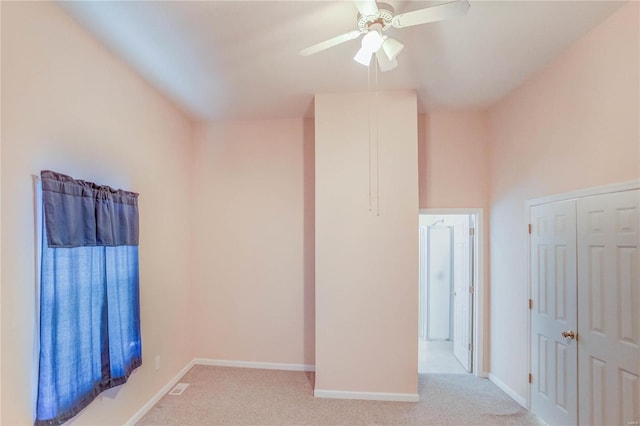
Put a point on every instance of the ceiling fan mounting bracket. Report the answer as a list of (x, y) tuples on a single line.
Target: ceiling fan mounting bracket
[(384, 17)]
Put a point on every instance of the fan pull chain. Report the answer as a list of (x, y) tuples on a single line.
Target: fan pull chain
[(369, 116), (377, 145), (373, 145)]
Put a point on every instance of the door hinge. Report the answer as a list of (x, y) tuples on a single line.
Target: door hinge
[(472, 231), (471, 289), (530, 378), (530, 303), (470, 346), (530, 228)]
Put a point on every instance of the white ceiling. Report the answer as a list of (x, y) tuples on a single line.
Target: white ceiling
[(239, 59)]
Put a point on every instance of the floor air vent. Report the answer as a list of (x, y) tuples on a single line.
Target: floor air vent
[(178, 389)]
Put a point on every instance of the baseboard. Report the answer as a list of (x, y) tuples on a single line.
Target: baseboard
[(506, 389), (251, 364), (370, 396), (158, 396)]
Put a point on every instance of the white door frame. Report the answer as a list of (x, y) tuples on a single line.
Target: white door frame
[(478, 293), (565, 196)]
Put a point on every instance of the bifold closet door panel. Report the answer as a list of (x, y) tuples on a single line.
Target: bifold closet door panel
[(609, 309)]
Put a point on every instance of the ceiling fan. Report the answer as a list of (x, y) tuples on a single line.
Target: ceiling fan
[(374, 20)]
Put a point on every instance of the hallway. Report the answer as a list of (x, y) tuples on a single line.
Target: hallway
[(436, 357)]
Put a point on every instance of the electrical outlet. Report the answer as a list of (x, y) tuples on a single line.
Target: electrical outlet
[(157, 362)]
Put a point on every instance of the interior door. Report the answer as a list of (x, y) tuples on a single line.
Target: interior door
[(553, 294), (463, 293), (609, 309)]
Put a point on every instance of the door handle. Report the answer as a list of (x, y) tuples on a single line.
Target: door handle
[(571, 335)]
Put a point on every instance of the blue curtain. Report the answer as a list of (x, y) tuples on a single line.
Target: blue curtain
[(89, 295)]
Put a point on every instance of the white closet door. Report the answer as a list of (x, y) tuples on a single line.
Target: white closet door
[(609, 309), (553, 288)]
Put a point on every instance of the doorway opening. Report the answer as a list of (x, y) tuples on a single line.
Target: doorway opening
[(449, 279)]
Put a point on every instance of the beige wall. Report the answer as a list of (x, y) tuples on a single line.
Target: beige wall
[(254, 244), (573, 125), (0, 225), (70, 106), (453, 161), (366, 265)]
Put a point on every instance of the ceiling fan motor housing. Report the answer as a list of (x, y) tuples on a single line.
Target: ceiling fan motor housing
[(384, 17)]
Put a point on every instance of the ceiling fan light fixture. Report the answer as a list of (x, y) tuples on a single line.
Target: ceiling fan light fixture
[(373, 39), (391, 48), (384, 62), (363, 56)]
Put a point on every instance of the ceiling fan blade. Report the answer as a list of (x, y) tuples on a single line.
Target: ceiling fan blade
[(366, 7), (431, 14), (323, 45)]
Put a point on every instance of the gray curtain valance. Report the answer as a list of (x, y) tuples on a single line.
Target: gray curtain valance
[(79, 213)]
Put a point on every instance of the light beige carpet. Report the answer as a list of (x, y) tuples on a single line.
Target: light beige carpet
[(236, 396)]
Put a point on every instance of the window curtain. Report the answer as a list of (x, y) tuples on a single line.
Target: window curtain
[(89, 294)]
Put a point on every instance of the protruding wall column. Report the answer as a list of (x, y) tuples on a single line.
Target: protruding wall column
[(366, 245)]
